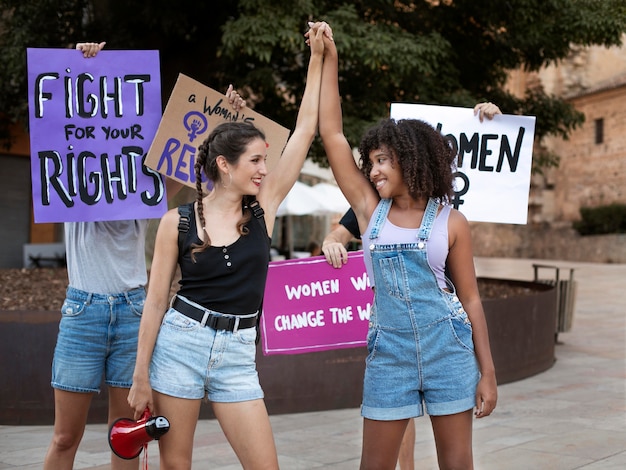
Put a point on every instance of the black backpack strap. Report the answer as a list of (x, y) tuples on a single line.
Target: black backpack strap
[(184, 222), (256, 209)]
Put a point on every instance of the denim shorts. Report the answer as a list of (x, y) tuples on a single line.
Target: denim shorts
[(193, 361), (97, 338)]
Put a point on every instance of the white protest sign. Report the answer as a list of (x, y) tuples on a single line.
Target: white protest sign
[(494, 159)]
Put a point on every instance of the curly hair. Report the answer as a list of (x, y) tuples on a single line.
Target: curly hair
[(425, 156), (230, 140)]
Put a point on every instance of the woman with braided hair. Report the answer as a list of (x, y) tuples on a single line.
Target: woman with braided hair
[(203, 343)]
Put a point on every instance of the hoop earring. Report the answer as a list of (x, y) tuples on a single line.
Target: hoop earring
[(229, 182)]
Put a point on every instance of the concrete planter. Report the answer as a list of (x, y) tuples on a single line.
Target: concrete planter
[(27, 340), (521, 331)]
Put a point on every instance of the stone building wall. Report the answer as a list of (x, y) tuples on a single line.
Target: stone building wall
[(592, 171), (545, 242)]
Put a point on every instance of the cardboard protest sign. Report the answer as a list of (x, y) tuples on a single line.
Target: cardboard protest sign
[(91, 123), (192, 112), (494, 159), (311, 306)]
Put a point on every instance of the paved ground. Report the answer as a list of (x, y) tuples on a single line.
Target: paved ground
[(572, 416)]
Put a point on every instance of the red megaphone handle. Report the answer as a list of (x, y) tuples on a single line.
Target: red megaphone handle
[(146, 414)]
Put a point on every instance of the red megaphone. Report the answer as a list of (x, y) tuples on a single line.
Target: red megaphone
[(127, 437)]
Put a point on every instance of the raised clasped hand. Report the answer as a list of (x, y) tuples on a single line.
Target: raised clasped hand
[(318, 26)]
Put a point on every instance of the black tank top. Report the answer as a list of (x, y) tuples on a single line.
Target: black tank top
[(227, 279)]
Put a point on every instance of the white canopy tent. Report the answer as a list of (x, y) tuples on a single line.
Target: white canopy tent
[(302, 199), (334, 200), (321, 199)]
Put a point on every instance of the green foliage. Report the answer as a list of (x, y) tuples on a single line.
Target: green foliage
[(49, 23), (451, 52), (187, 34), (544, 159), (602, 220)]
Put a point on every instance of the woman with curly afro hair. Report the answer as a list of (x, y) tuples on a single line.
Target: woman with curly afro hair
[(428, 346)]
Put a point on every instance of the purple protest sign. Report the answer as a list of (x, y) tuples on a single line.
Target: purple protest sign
[(91, 124), (311, 306)]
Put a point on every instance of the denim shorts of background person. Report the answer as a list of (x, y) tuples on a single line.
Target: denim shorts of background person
[(97, 336)]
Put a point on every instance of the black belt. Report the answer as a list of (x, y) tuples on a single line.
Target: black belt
[(217, 322)]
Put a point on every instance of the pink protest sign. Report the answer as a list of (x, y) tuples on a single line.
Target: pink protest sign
[(91, 124), (311, 306)]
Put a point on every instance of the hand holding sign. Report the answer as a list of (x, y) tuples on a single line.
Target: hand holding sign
[(90, 49)]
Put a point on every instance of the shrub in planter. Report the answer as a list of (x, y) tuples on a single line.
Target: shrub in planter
[(602, 220)]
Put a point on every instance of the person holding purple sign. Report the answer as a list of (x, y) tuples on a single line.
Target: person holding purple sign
[(428, 345), (203, 342), (98, 331)]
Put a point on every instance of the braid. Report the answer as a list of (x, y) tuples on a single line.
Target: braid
[(203, 152)]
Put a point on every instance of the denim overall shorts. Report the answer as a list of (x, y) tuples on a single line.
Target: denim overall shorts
[(419, 338)]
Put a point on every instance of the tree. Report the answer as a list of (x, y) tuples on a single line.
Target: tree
[(28, 24), (187, 34), (451, 52)]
